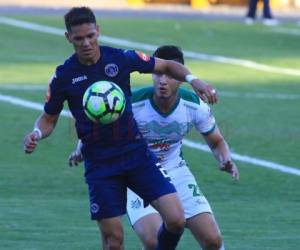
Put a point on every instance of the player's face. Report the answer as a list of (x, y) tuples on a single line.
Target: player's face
[(164, 86), (84, 38)]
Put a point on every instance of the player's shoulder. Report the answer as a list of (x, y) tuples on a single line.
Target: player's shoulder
[(111, 51), (67, 67), (189, 96), (142, 94), (192, 102), (111, 55)]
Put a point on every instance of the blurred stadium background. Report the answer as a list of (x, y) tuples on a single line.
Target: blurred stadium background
[(43, 203)]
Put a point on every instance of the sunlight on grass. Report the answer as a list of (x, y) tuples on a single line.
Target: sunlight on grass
[(26, 73)]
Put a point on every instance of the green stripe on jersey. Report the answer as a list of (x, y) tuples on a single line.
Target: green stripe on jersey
[(146, 93), (142, 94), (189, 96)]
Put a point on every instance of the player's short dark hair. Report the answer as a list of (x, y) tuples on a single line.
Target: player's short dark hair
[(169, 52), (79, 15)]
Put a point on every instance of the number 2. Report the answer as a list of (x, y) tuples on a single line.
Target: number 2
[(196, 189)]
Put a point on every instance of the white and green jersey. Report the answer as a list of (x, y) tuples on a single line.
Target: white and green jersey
[(164, 131)]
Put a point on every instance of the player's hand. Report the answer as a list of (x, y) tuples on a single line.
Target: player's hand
[(30, 142), (206, 92), (75, 158), (231, 168)]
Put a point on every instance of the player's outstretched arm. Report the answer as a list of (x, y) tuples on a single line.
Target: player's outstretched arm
[(43, 127), (179, 72), (76, 156), (221, 151)]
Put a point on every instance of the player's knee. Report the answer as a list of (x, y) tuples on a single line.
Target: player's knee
[(150, 243), (176, 224), (213, 242), (114, 244), (113, 240)]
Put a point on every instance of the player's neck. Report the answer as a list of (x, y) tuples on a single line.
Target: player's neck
[(165, 105), (92, 60)]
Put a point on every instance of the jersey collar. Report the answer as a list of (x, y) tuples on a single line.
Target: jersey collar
[(154, 106)]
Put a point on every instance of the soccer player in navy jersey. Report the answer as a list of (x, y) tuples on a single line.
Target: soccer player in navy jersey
[(115, 156), (165, 114)]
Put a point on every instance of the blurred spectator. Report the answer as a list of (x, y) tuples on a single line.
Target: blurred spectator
[(267, 15)]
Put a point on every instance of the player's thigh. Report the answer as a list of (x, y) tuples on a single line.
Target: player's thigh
[(204, 228), (111, 230), (145, 221), (107, 197), (190, 195), (147, 228), (170, 208), (148, 179), (136, 208)]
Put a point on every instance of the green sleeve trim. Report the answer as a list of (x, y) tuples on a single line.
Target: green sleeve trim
[(189, 96), (210, 131), (141, 94)]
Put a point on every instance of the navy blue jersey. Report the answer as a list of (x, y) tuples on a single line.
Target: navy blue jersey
[(73, 78)]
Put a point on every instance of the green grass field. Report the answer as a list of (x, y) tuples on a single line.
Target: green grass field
[(44, 204)]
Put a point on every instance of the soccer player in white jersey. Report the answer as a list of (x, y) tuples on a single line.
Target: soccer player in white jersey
[(165, 114)]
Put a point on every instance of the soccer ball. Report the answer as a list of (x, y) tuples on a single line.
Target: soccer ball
[(103, 102)]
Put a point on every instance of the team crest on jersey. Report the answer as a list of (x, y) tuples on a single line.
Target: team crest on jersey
[(143, 56), (94, 208), (111, 70)]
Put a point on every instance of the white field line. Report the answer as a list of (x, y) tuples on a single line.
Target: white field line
[(28, 104), (295, 32), (243, 158), (249, 95), (260, 95), (150, 47), (247, 159), (24, 87)]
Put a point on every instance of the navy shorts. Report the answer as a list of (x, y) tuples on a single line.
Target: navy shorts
[(137, 170)]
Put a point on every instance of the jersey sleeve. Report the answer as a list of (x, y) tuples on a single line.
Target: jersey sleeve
[(139, 61), (55, 97), (204, 120)]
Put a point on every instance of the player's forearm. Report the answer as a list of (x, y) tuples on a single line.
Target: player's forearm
[(45, 124), (181, 73), (79, 145), (171, 68), (177, 71), (221, 151)]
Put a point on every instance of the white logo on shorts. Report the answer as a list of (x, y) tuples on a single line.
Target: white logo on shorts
[(136, 204), (200, 201), (94, 208), (111, 70)]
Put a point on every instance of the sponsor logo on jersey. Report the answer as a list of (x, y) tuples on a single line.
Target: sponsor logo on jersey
[(79, 79), (94, 208), (136, 204), (162, 145), (111, 70), (143, 56)]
